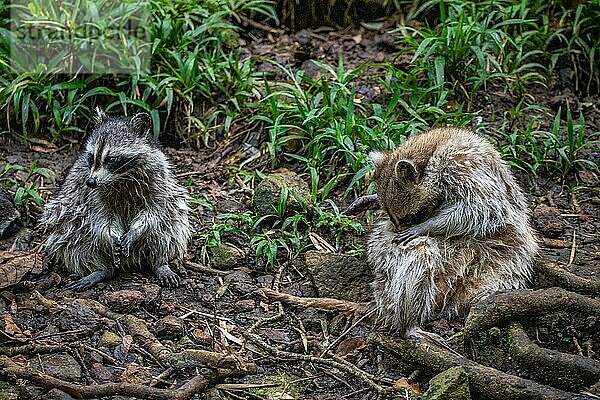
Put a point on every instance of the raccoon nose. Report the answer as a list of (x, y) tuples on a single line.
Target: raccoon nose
[(92, 182)]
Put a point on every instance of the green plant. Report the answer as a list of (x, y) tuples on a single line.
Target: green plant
[(566, 148), (27, 189)]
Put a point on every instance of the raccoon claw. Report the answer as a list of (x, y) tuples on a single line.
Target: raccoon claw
[(167, 277), (88, 281), (406, 236)]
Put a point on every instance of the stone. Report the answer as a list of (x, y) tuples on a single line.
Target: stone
[(9, 217), (169, 327), (62, 366), (266, 195), (100, 373), (548, 222), (109, 340), (123, 301), (245, 305), (226, 256), (55, 394), (76, 317), (340, 276), (452, 384)]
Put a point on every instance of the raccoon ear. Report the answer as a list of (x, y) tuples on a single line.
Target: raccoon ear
[(406, 171), (377, 157), (100, 116), (141, 123)]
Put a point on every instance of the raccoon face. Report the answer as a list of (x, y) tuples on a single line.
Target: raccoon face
[(118, 149), (400, 192)]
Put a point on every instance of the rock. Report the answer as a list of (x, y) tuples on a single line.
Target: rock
[(339, 276), (62, 366), (9, 217), (56, 394), (267, 193), (75, 317), (548, 222), (169, 327), (151, 292), (8, 391), (226, 256), (451, 384), (123, 301), (109, 340), (100, 373)]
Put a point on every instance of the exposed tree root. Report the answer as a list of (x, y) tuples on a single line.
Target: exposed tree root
[(79, 391), (138, 329), (213, 366), (567, 280), (502, 307), (550, 365), (322, 303), (486, 382)]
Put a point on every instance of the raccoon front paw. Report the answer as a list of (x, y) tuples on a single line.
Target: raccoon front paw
[(406, 236), (166, 276), (125, 242), (88, 281)]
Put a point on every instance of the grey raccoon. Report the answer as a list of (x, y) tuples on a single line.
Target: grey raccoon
[(119, 208), (456, 227)]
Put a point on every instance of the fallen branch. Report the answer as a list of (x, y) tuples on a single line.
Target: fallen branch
[(322, 303), (502, 307), (485, 382), (567, 280), (551, 366)]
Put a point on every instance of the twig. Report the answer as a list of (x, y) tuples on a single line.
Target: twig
[(204, 269), (345, 367)]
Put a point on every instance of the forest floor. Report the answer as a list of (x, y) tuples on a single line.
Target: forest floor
[(219, 303)]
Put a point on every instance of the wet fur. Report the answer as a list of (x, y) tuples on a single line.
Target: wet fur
[(87, 226), (472, 224)]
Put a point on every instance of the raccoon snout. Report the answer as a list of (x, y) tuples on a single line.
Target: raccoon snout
[(92, 182)]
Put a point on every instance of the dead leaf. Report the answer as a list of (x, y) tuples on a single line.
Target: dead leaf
[(14, 265), (42, 142), (40, 149), (12, 331), (276, 335), (351, 344), (403, 383), (122, 349), (320, 243), (136, 374)]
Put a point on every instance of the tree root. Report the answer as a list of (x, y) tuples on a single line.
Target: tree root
[(551, 366), (322, 303), (502, 307), (567, 280), (189, 358), (79, 391), (218, 365), (486, 382)]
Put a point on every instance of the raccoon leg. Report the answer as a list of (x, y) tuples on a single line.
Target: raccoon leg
[(90, 280), (166, 276)]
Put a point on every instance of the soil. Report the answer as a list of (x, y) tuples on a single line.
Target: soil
[(216, 308)]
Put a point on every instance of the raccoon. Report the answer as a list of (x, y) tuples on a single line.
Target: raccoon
[(455, 226), (119, 208)]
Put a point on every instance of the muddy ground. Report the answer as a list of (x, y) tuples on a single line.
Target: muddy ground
[(214, 308)]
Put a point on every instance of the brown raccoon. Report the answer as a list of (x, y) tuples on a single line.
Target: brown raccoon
[(120, 207), (455, 227)]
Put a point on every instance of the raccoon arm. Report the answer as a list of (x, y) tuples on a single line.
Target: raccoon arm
[(144, 221), (462, 218)]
